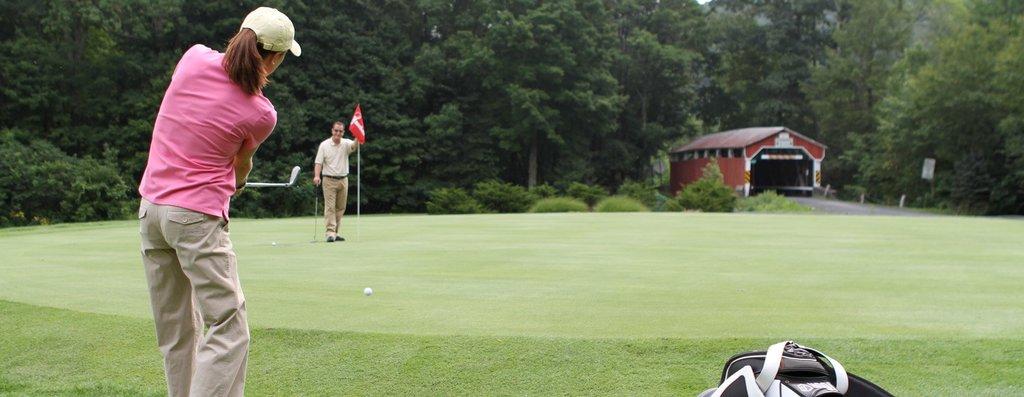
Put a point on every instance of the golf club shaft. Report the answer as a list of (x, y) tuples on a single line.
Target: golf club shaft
[(266, 184), (359, 188), (316, 203)]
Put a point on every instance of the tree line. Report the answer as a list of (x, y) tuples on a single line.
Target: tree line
[(528, 92)]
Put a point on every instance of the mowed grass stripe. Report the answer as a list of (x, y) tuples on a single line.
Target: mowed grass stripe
[(60, 352)]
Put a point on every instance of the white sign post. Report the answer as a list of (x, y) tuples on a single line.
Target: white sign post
[(928, 169)]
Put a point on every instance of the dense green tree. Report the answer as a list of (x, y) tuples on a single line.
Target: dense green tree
[(660, 63), (959, 104), (533, 92), (845, 90), (764, 52), (449, 70), (551, 89)]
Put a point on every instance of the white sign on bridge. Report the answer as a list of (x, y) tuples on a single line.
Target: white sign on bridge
[(784, 140)]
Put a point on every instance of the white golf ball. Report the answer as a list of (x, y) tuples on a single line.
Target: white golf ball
[(273, 243), (368, 291)]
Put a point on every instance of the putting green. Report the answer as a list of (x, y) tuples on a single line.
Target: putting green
[(675, 293), (575, 275)]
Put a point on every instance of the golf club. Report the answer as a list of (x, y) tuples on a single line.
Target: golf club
[(291, 181)]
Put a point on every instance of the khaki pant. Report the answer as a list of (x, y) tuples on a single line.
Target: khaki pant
[(335, 200), (193, 282)]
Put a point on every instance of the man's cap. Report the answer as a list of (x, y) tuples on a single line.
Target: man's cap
[(274, 31)]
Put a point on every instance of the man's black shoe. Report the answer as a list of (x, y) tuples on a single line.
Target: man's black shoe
[(330, 239), (339, 239)]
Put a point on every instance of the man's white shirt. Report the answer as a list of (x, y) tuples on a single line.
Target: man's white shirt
[(334, 157)]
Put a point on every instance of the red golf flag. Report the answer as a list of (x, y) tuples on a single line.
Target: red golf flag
[(356, 125)]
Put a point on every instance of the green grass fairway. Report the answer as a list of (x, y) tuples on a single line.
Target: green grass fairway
[(539, 304)]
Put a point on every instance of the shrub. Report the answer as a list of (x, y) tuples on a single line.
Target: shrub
[(673, 205), (851, 192), (452, 201), (40, 184), (709, 193), (620, 204), (645, 193), (586, 193), (769, 202), (498, 196), (544, 191), (559, 204), (663, 203)]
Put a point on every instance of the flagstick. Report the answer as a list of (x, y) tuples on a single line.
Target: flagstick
[(359, 188)]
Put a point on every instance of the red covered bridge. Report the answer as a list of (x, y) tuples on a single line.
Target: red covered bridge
[(752, 160)]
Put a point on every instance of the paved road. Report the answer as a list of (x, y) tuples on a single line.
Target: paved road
[(847, 208)]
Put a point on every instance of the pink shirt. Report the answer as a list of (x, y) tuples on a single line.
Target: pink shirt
[(204, 120)]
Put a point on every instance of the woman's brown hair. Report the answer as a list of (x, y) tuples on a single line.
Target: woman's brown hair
[(243, 61)]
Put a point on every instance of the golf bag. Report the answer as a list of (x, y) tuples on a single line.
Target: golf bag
[(790, 370)]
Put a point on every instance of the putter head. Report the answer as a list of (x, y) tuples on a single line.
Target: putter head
[(295, 175)]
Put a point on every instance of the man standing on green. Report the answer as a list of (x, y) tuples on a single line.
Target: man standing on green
[(332, 165)]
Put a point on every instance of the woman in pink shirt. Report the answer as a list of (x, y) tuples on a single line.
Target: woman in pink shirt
[(212, 119)]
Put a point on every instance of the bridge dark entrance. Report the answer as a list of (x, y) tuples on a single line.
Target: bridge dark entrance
[(786, 171)]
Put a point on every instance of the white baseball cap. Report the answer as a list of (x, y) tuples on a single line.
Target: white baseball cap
[(274, 31)]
